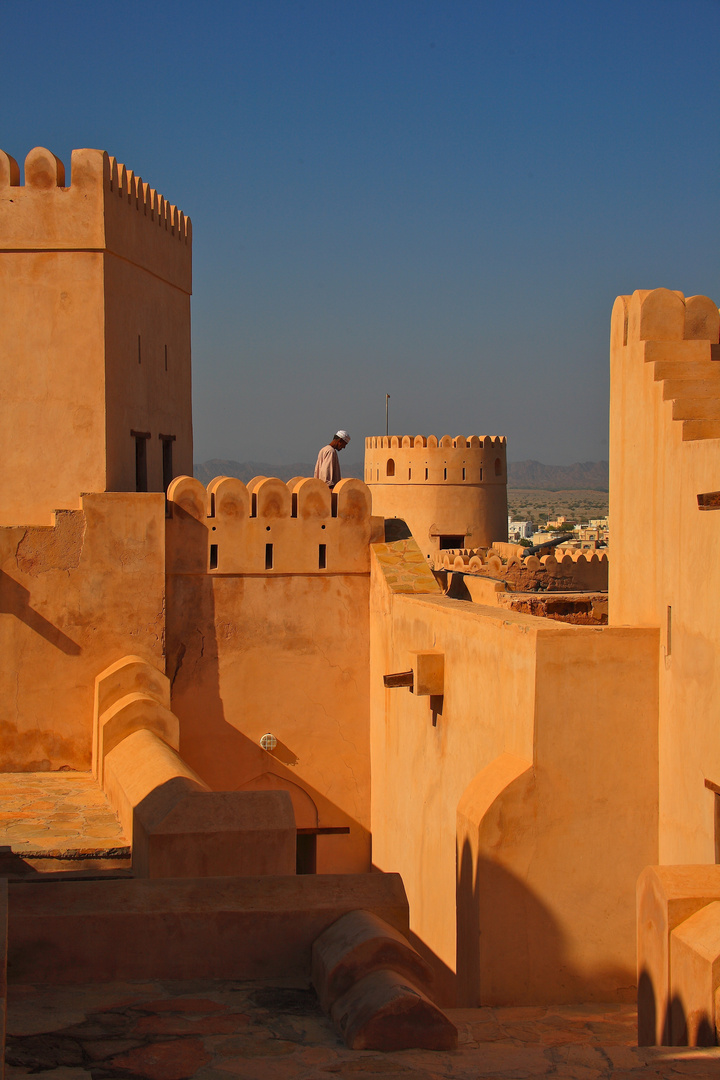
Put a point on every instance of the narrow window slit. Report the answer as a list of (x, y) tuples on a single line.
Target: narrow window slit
[(322, 557), (213, 556), (268, 556)]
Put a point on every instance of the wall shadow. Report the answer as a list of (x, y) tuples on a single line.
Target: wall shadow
[(225, 758), (511, 948), (15, 600)]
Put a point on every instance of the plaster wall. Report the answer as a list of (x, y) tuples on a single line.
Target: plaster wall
[(52, 396), (668, 576), (73, 598), (514, 897), (147, 322), (282, 651)]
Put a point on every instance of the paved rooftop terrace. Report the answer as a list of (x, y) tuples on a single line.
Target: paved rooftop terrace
[(52, 822), (56, 816), (262, 1031)]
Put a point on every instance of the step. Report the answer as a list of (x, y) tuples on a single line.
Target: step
[(686, 369), (185, 928), (691, 388), (691, 408), (694, 430)]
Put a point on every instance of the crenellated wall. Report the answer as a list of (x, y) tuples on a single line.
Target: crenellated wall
[(444, 489), (559, 571), (271, 641), (664, 454), (268, 526), (95, 282)]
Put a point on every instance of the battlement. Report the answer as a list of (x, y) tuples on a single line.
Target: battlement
[(679, 336), (560, 572), (460, 442), (105, 208), (472, 459), (268, 527)]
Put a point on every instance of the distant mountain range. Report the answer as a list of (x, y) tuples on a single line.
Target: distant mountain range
[(590, 475)]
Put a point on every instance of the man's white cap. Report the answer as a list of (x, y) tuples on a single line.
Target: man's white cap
[(344, 435)]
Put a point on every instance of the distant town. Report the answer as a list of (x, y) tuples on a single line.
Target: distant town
[(577, 535)]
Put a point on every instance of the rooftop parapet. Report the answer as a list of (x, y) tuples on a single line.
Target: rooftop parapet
[(268, 527), (106, 207)]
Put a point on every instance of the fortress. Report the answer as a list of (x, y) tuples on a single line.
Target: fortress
[(306, 707)]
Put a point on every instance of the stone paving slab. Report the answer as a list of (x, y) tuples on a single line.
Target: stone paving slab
[(56, 815), (216, 1030)]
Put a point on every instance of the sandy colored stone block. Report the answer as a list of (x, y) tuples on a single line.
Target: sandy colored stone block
[(180, 833), (385, 1011), (666, 897), (356, 945), (235, 928), (695, 977)]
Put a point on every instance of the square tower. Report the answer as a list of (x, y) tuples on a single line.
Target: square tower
[(95, 381)]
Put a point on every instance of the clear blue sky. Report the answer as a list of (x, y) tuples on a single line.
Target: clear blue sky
[(435, 200)]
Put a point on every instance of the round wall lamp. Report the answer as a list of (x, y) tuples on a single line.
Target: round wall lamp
[(268, 742)]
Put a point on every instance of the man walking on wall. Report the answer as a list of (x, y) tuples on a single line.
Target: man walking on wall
[(327, 467)]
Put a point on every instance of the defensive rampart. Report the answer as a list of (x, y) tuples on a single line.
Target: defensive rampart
[(561, 571), (268, 634)]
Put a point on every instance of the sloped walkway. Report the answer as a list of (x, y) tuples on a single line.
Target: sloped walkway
[(57, 815), (275, 1031)]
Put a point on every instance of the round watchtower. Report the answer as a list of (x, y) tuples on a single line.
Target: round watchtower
[(451, 493)]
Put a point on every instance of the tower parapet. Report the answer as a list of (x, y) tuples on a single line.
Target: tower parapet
[(106, 207), (451, 492)]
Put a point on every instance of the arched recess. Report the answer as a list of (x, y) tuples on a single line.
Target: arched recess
[(489, 897), (390, 467), (306, 814), (498, 466)]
